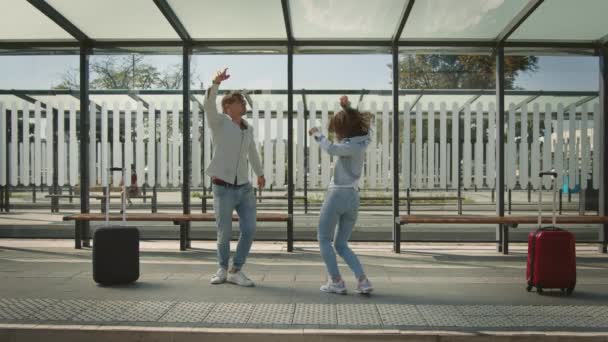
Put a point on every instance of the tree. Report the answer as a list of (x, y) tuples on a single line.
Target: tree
[(459, 72), (127, 72)]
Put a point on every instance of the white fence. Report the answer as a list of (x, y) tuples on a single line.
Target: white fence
[(429, 152)]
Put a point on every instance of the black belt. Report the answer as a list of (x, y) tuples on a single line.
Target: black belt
[(220, 182)]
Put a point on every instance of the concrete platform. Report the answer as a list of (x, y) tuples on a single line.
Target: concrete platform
[(433, 292)]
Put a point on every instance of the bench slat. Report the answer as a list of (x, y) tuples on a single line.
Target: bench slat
[(269, 217)]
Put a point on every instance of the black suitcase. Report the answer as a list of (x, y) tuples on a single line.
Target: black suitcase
[(116, 248)]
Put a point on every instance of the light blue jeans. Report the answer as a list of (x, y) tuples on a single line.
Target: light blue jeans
[(225, 201), (340, 208)]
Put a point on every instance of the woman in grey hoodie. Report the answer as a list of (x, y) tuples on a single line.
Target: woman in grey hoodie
[(352, 133)]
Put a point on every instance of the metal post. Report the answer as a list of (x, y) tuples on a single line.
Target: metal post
[(306, 156), (603, 200), (204, 197), (187, 52), (501, 230), (290, 185), (55, 191), (4, 188), (396, 221), (460, 143), (154, 192), (84, 226), (306, 152), (8, 169)]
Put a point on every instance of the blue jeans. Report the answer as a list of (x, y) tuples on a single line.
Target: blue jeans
[(225, 201), (340, 208)]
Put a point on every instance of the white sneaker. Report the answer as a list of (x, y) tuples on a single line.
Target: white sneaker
[(239, 278), (331, 287), (219, 277), (364, 287)]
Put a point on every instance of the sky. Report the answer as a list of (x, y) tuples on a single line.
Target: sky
[(310, 71)]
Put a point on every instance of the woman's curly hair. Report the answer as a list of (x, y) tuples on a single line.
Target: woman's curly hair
[(349, 122)]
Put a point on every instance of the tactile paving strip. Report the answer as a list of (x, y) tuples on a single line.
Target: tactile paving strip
[(23, 309), (358, 315), (187, 312), (328, 315), (400, 315), (443, 315), (228, 317), (63, 310), (318, 314)]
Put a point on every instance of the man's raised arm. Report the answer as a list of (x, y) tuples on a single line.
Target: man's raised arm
[(210, 106)]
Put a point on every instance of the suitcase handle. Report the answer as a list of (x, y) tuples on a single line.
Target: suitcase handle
[(548, 173), (123, 193), (553, 175)]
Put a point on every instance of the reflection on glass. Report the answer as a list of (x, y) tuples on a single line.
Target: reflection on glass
[(231, 19), (116, 19), (345, 18), (21, 20), (565, 20), (462, 19)]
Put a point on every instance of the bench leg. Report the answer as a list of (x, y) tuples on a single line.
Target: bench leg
[(409, 201), (182, 236), (154, 200), (86, 234), (397, 235), (77, 235), (499, 232), (603, 247), (290, 234), (188, 240), (504, 240)]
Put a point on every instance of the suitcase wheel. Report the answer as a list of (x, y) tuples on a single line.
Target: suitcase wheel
[(569, 290), (529, 288), (539, 290)]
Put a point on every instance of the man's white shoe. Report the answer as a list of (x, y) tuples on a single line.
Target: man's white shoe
[(219, 277), (239, 278), (365, 287), (331, 287)]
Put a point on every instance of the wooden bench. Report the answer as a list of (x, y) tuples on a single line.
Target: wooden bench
[(506, 222), (178, 219)]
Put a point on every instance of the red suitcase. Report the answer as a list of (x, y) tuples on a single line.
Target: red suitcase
[(551, 253)]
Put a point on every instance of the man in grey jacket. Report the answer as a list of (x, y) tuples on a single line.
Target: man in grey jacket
[(233, 150)]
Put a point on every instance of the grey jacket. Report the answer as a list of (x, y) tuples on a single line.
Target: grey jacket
[(233, 148), (351, 155)]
